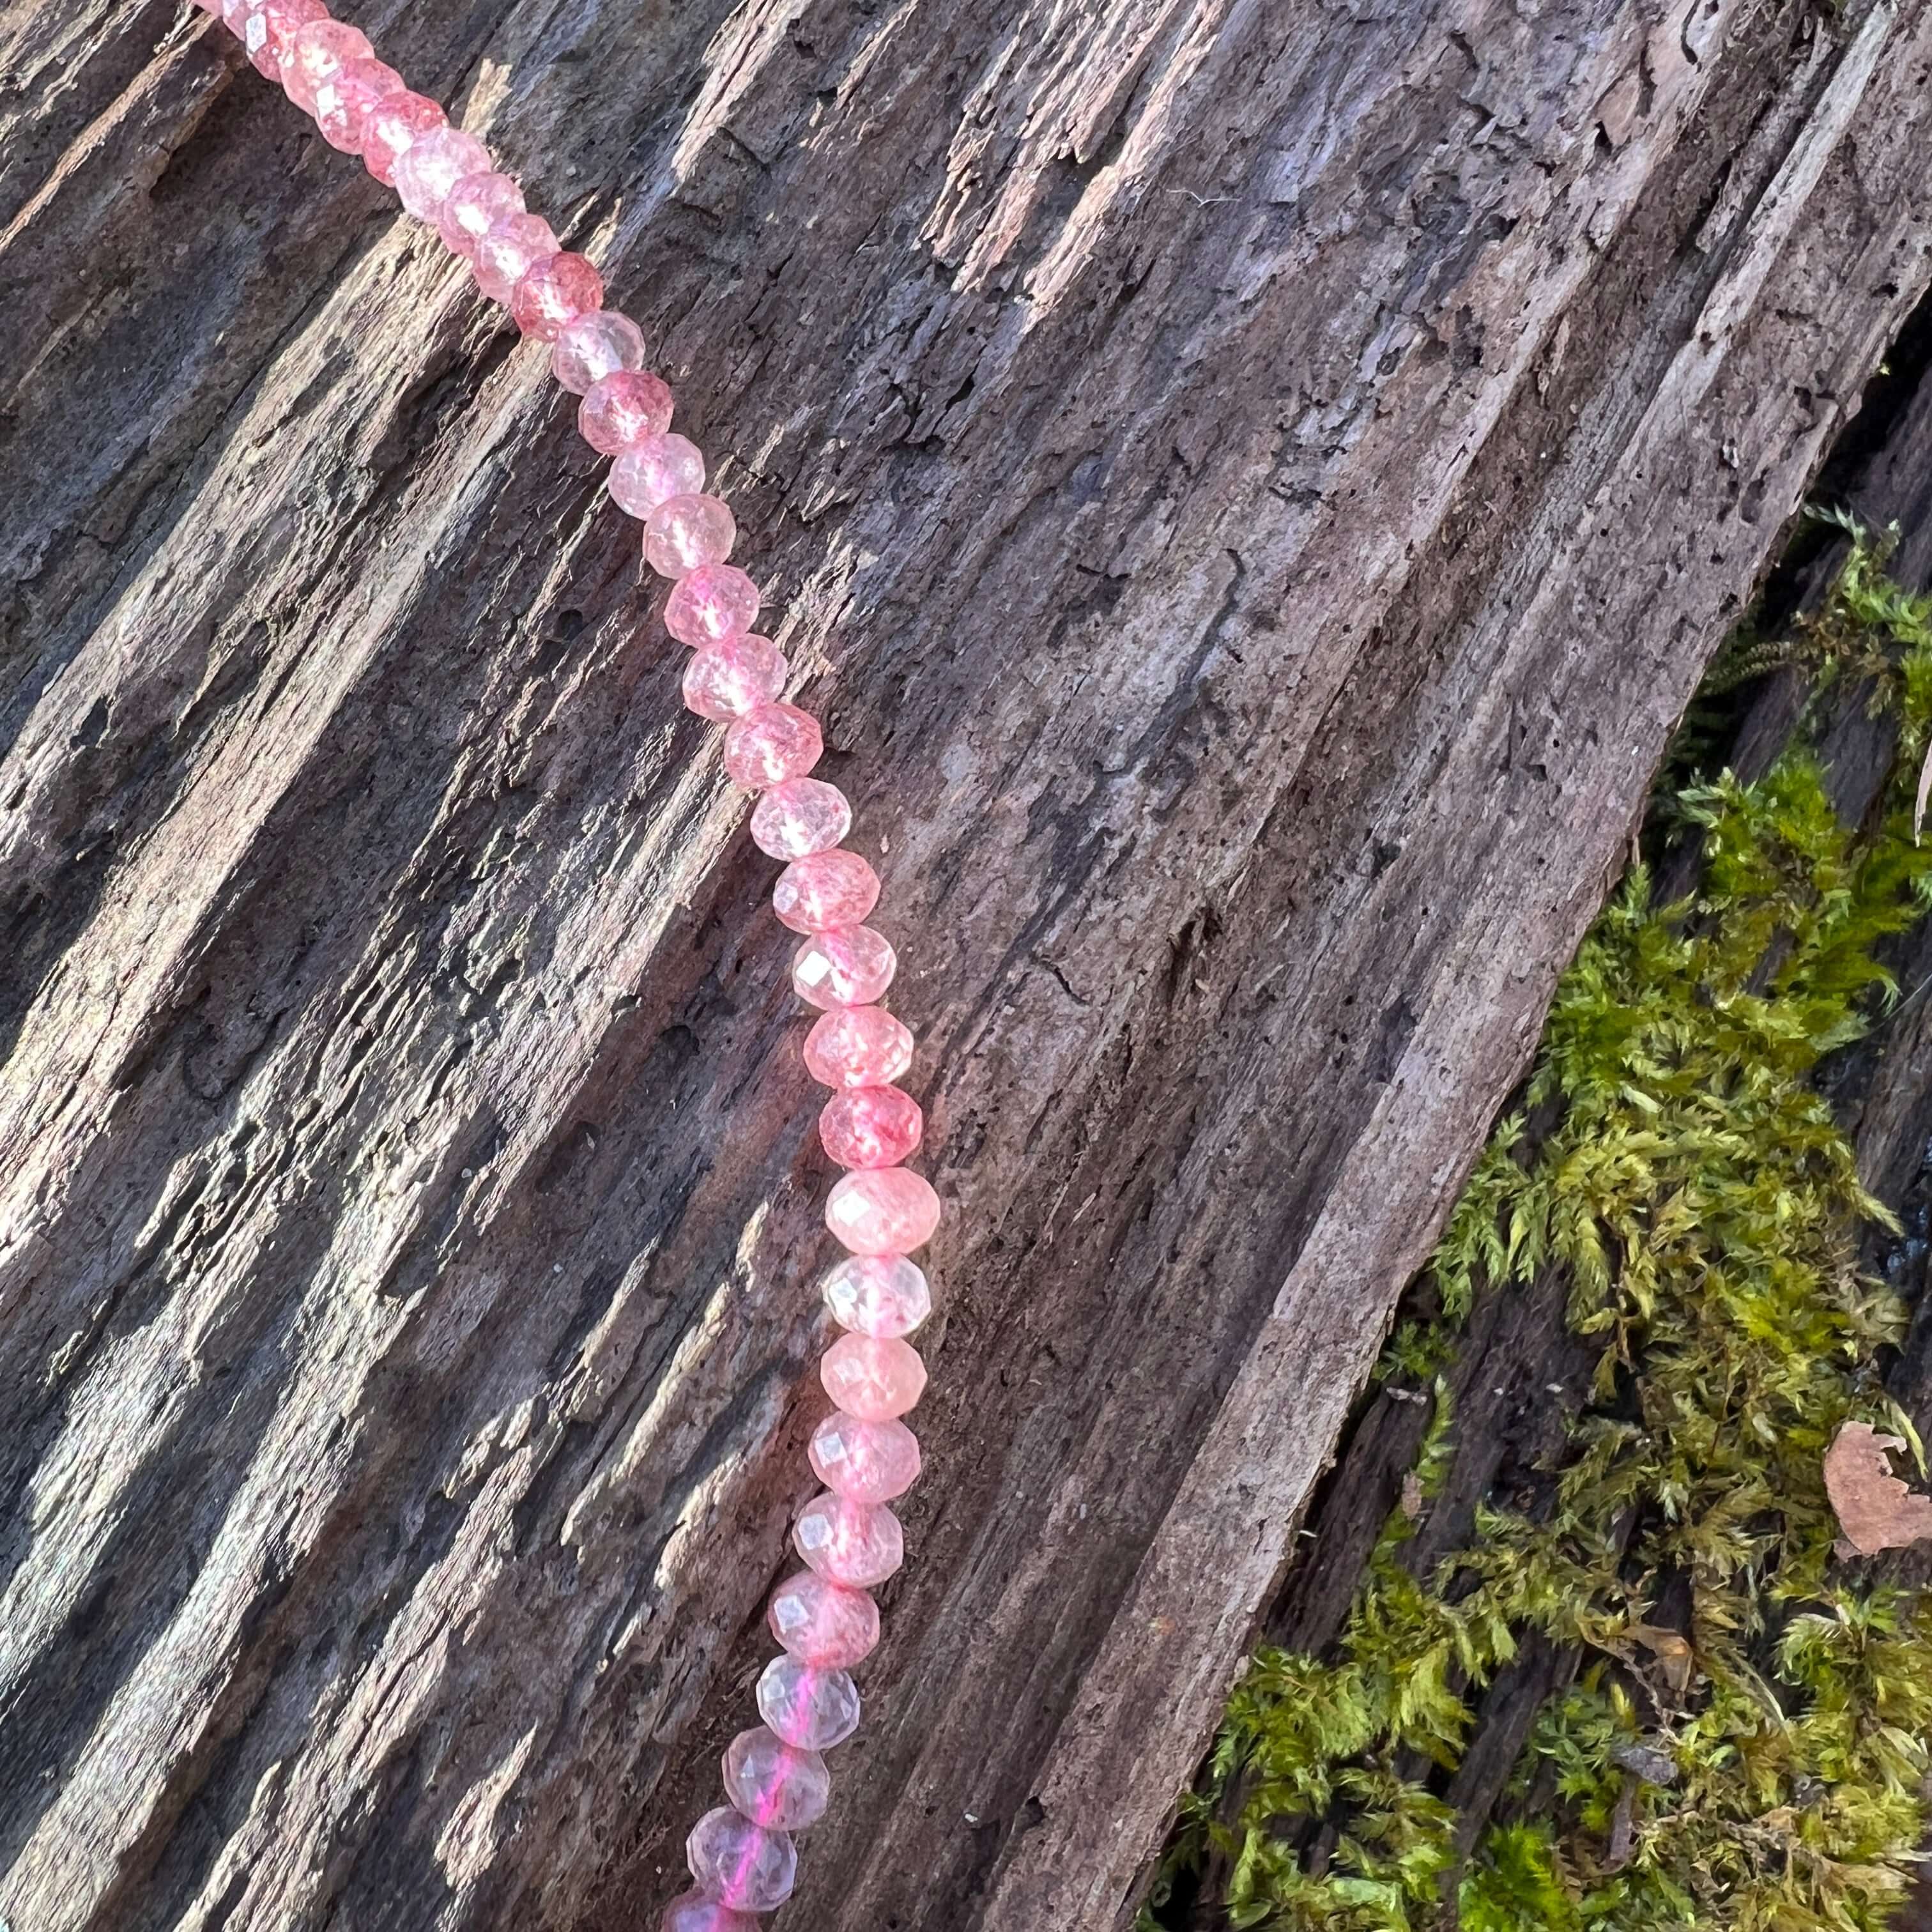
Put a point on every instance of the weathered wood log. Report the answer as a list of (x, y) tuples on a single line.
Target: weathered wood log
[(1254, 486)]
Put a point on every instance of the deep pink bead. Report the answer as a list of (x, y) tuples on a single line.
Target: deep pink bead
[(844, 969), (652, 469), (871, 1126), (506, 250), (774, 1785), (824, 891), (875, 1378), (775, 743), (857, 1046), (856, 1544), (822, 1624), (732, 679), (871, 1462), (877, 1295), (594, 345), (695, 1913), (686, 533), (715, 601), (883, 1210), (316, 49), (620, 409), (805, 816), (811, 1710), (554, 293), (472, 205), (433, 165), (740, 1864), (395, 124), (270, 27)]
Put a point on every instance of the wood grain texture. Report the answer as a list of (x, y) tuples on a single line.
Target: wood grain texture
[(1251, 487)]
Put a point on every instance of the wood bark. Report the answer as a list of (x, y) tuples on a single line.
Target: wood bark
[(1251, 487)]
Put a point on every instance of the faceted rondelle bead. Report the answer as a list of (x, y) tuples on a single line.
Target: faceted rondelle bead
[(773, 1783), (732, 679), (620, 409), (793, 821), (506, 249), (822, 1624), (270, 27), (653, 468), (885, 1211), (316, 49), (776, 742), (234, 14), (740, 1864), (870, 1462), (877, 1294), (843, 969), (874, 1377), (686, 533), (433, 165), (345, 99), (871, 1126), (395, 123), (713, 602), (857, 1046), (852, 1544), (811, 1710), (695, 1913), (554, 293), (825, 891), (473, 204), (594, 345)]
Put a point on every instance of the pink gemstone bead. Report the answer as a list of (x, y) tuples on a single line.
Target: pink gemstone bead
[(885, 1211), (270, 27), (843, 969), (695, 1913), (686, 533), (506, 250), (872, 1377), (595, 345), (652, 470), (774, 1785), (619, 409), (473, 204), (824, 891), (732, 679), (316, 49), (716, 601), (811, 1710), (345, 99), (234, 16), (821, 1624), (554, 293), (775, 743), (877, 1295), (870, 1462), (432, 165), (740, 1864), (395, 123), (795, 820), (871, 1126), (856, 1544), (857, 1046)]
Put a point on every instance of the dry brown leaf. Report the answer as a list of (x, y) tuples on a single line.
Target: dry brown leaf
[(1924, 792), (1671, 1649), (1411, 1495), (1875, 1509)]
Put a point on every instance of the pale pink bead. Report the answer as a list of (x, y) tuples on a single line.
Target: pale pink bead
[(877, 1294), (871, 1126), (395, 123), (857, 1046), (875, 1378), (316, 49), (806, 816), (652, 469), (473, 204), (551, 295), (433, 165), (732, 679), (825, 891), (773, 1784), (716, 601), (595, 345), (843, 969), (234, 16), (775, 743), (620, 409), (871, 1462), (856, 1544), (506, 250), (685, 532), (270, 27), (822, 1624), (884, 1211), (811, 1710), (695, 1913), (345, 99), (740, 1864)]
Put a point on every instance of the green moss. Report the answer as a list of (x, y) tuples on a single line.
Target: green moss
[(1759, 1763)]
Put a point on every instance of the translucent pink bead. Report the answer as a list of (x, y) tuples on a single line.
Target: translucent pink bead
[(270, 27), (345, 99), (234, 16), (716, 601), (775, 743), (395, 124), (843, 969), (811, 1710), (595, 345), (554, 293), (623, 409), (855, 1544), (652, 469), (871, 1126), (506, 250), (871, 1462), (877, 1295), (432, 165), (803, 817), (473, 204), (822, 1624), (316, 49), (884, 1211), (740, 1864), (874, 1377), (857, 1046), (824, 891), (685, 532), (774, 1785), (695, 1913), (732, 679)]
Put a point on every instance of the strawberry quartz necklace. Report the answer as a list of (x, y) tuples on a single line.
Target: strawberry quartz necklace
[(741, 1855)]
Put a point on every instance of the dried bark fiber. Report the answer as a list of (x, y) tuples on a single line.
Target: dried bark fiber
[(1252, 486)]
